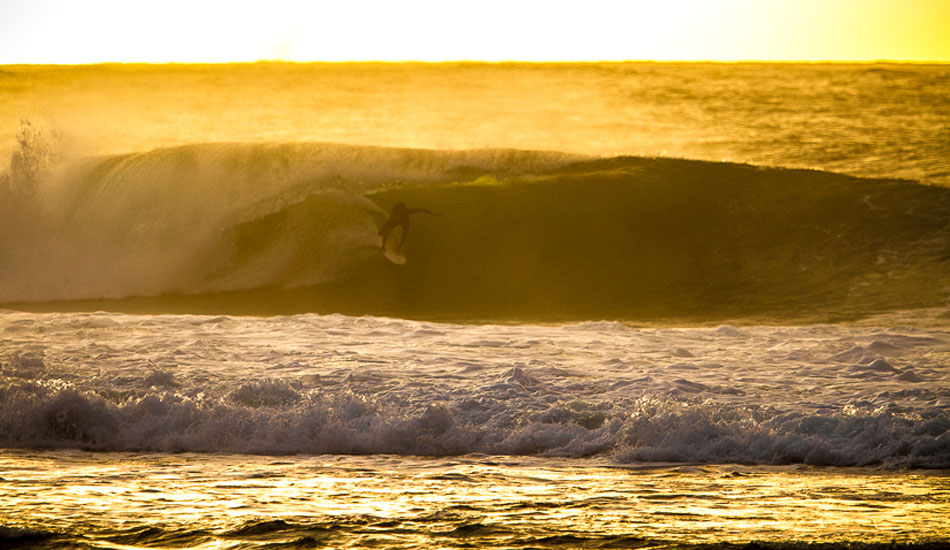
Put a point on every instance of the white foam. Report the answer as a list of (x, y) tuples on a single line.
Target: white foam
[(336, 384)]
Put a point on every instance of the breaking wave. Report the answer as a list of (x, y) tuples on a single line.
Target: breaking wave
[(281, 417), (285, 228)]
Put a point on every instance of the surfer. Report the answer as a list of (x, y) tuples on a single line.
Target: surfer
[(399, 217)]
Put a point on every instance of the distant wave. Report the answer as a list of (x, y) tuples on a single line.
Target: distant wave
[(522, 235)]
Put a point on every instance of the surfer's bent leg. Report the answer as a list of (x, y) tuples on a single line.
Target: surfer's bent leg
[(384, 232), (405, 234)]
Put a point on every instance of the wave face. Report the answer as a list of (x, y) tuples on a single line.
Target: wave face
[(520, 235)]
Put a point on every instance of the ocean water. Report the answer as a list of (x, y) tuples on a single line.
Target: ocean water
[(659, 305)]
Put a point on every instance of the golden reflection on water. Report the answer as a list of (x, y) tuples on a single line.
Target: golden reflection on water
[(61, 490)]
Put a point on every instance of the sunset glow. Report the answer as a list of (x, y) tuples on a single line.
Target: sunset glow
[(54, 31), (678, 274)]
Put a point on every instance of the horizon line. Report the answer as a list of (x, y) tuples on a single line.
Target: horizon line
[(493, 62)]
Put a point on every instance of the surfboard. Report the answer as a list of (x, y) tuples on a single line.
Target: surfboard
[(390, 250)]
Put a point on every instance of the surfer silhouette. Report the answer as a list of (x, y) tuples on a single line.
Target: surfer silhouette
[(399, 217)]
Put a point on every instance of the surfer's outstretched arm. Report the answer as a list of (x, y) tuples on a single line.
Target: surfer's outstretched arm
[(422, 211)]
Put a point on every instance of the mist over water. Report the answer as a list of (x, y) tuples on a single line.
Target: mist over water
[(865, 120)]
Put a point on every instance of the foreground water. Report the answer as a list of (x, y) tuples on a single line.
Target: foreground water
[(120, 500), (591, 434)]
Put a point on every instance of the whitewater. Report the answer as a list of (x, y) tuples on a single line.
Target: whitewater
[(824, 395), (662, 305)]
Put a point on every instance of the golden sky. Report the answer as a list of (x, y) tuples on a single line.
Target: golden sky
[(90, 31)]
